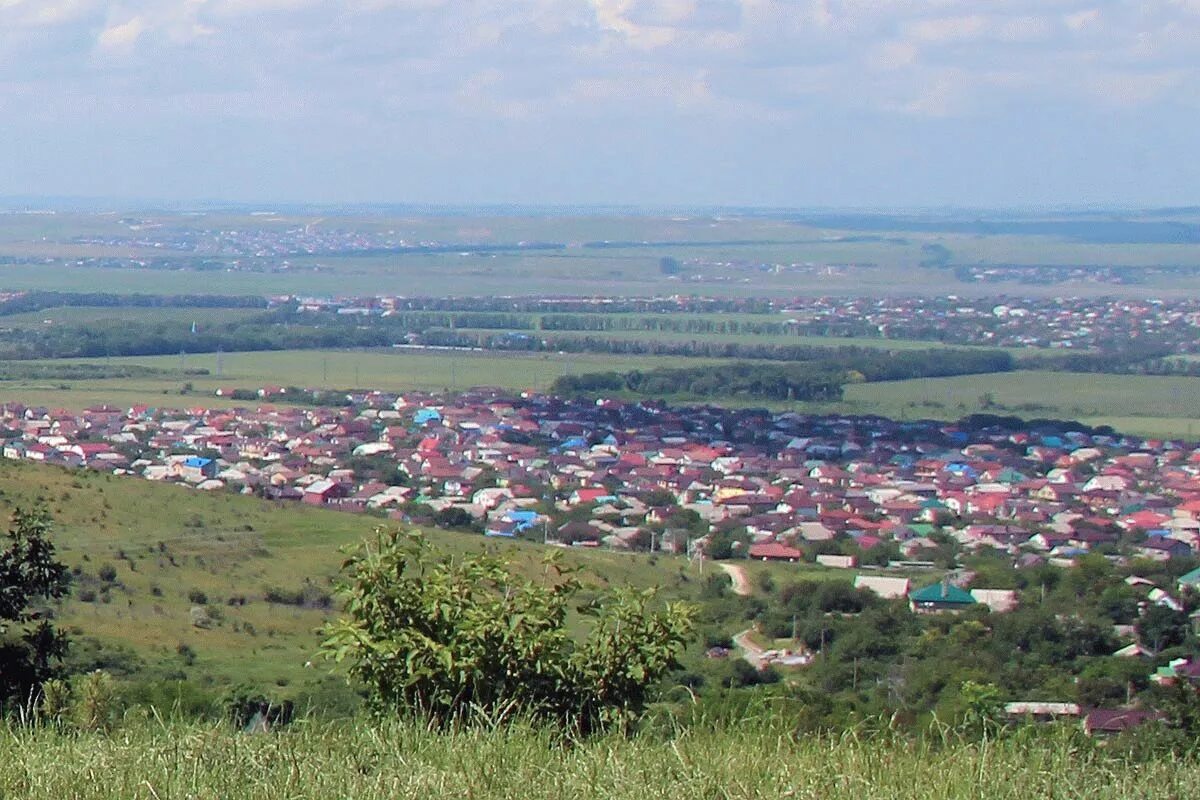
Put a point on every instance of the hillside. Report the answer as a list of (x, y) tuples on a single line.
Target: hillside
[(182, 578)]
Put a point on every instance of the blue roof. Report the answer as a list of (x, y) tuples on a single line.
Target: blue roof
[(426, 415), (197, 461), (522, 516)]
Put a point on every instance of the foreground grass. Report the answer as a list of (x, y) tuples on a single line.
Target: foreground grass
[(156, 762)]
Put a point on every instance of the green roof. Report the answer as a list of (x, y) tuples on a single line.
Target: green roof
[(946, 593), (1192, 578)]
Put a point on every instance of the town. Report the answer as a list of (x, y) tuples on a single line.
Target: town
[(643, 475)]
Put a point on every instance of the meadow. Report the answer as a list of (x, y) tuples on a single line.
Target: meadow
[(154, 760), (392, 369), (1151, 405), (174, 557)]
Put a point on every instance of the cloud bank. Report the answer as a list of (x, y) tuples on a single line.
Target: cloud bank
[(631, 82)]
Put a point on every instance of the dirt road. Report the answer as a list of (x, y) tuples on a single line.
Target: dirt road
[(741, 584)]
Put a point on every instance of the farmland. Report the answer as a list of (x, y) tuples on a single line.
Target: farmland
[(724, 255)]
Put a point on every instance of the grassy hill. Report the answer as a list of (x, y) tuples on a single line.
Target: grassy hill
[(182, 578)]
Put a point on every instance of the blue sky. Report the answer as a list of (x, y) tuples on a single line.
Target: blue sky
[(865, 103)]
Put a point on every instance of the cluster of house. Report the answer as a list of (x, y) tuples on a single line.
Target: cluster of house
[(1000, 321), (1059, 322), (611, 472)]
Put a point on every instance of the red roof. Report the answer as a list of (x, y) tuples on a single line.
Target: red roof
[(775, 550)]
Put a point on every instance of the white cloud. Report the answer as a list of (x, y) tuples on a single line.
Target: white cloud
[(123, 35), (532, 58)]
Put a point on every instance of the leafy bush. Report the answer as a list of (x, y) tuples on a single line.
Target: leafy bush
[(31, 576), (463, 638)]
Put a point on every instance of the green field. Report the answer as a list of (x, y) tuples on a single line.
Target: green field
[(167, 541), (1151, 404), (371, 369), (90, 315)]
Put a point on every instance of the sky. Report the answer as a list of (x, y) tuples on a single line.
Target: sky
[(795, 103)]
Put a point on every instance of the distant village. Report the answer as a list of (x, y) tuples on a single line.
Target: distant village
[(1060, 323), (840, 490)]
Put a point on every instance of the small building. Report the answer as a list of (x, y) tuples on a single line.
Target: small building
[(1040, 711), (1111, 721), (1190, 580), (196, 469), (999, 601), (837, 562), (940, 597), (885, 587), (775, 551)]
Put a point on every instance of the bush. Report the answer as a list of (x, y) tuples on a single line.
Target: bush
[(464, 638)]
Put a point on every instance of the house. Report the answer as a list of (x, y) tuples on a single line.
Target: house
[(195, 469), (1111, 721), (775, 551), (885, 587), (1040, 711), (322, 491), (940, 597), (1163, 549), (837, 562), (998, 601), (1190, 580)]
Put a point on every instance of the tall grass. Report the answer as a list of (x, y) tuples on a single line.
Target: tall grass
[(153, 760)]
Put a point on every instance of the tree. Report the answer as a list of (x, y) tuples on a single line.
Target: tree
[(466, 638), (1161, 627), (30, 577)]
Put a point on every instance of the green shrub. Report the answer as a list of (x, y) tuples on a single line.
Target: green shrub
[(463, 638)]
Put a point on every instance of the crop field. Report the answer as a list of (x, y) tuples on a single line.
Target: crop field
[(398, 369), (90, 315)]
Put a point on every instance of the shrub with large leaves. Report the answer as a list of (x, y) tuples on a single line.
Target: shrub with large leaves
[(461, 638)]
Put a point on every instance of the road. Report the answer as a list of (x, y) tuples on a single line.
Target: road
[(741, 584), (750, 651)]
